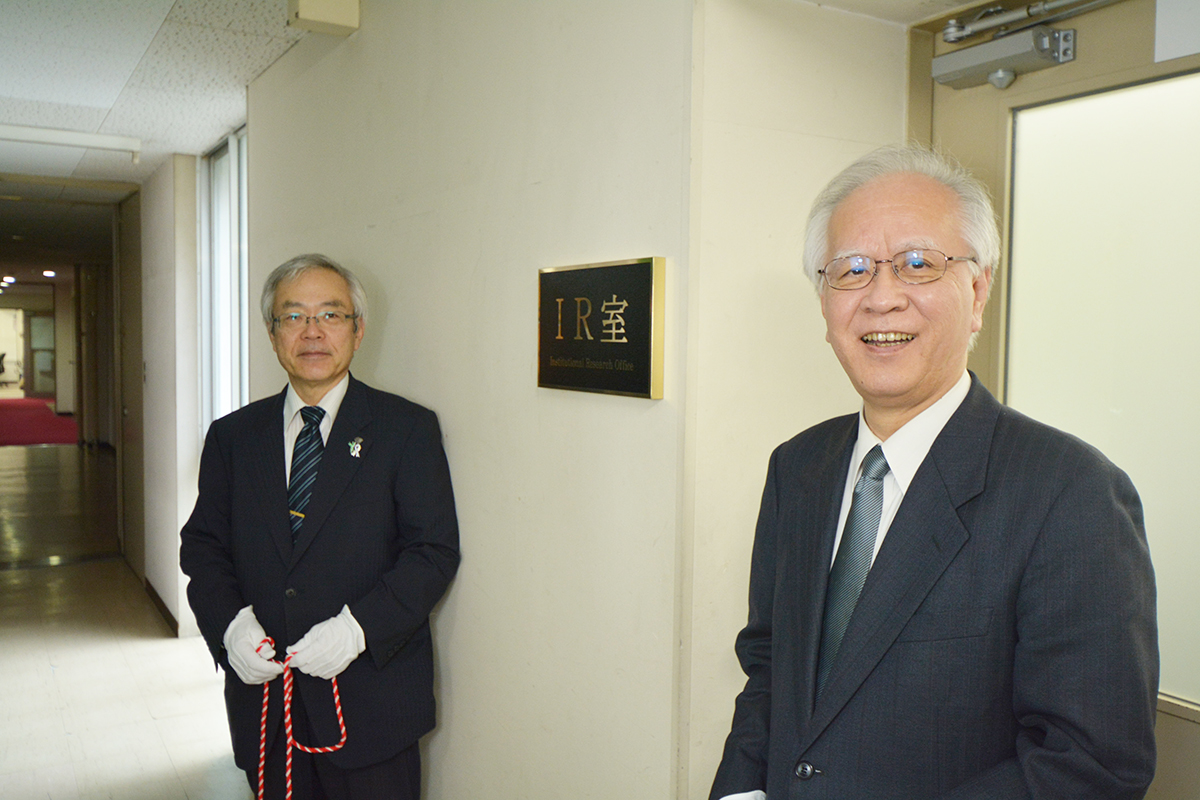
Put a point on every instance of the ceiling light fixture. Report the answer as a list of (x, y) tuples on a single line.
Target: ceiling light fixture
[(49, 273), (90, 141)]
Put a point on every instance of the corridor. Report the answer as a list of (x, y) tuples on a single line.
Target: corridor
[(98, 699)]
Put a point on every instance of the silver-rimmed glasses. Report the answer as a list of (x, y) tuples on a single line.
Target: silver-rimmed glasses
[(911, 266), (295, 322)]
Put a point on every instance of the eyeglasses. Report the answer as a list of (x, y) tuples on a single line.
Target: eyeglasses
[(326, 320), (913, 267)]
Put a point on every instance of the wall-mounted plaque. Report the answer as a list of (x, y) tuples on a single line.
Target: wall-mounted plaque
[(600, 327)]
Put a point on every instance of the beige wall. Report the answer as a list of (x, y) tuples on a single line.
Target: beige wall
[(64, 348), (171, 391), (132, 503), (96, 353), (772, 75), (446, 152)]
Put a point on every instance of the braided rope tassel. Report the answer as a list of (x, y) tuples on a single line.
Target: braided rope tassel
[(292, 744)]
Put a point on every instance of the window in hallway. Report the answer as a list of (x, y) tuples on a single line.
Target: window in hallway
[(224, 284)]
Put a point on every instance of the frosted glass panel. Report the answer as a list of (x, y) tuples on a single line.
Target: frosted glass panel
[(1104, 290), (41, 333)]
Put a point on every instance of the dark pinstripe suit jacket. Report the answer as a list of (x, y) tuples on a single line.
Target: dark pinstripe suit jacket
[(380, 535), (1005, 642)]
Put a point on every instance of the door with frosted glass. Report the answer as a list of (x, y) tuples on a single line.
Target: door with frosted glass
[(1102, 308), (39, 356)]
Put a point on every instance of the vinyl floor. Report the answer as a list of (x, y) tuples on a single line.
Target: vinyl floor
[(98, 699)]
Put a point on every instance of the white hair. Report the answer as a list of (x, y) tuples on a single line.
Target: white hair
[(977, 216), (294, 267)]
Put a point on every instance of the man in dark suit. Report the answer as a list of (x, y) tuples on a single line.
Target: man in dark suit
[(324, 530), (947, 599)]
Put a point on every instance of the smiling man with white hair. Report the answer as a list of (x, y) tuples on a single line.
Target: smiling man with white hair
[(947, 598)]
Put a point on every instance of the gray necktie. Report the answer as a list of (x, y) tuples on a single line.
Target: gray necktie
[(306, 456), (853, 560)]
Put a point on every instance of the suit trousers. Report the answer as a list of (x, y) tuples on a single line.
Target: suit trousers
[(314, 777)]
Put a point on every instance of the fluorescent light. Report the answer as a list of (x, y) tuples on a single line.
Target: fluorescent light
[(9, 279), (93, 141), (49, 273)]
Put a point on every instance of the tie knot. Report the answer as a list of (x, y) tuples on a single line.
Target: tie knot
[(312, 415), (875, 466)]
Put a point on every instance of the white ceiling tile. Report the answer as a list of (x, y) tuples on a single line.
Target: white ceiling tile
[(265, 17), (38, 159), (122, 26), (55, 73), (193, 59), (39, 114)]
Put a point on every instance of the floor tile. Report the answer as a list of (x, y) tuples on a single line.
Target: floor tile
[(99, 699)]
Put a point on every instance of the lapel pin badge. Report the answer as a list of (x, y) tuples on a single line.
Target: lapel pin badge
[(356, 447)]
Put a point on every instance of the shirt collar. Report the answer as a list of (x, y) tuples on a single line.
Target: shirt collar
[(906, 448), (331, 402)]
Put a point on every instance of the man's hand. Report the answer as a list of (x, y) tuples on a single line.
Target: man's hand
[(329, 646), (248, 654)]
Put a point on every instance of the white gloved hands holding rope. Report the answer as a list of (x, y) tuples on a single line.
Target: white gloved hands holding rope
[(250, 655), (329, 646)]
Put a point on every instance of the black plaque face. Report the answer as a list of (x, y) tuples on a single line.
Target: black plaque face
[(600, 327)]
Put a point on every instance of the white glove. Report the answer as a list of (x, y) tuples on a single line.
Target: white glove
[(249, 660), (329, 646)]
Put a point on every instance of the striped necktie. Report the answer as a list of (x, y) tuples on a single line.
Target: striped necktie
[(306, 456), (853, 560)]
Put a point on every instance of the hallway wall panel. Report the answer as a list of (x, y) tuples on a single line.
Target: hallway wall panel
[(171, 422), (782, 103)]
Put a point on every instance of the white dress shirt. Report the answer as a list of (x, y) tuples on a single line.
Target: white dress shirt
[(904, 450), (293, 423)]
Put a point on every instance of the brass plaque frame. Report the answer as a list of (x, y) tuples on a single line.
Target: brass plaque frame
[(600, 327)]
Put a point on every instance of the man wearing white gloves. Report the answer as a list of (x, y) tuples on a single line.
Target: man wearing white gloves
[(324, 530)]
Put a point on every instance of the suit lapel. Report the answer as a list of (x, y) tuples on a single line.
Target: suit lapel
[(818, 499), (338, 464), (925, 536), (266, 449)]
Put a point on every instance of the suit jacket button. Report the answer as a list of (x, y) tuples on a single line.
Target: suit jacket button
[(289, 594), (805, 770)]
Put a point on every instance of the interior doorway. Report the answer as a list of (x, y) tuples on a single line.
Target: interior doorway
[(12, 352), (1116, 48), (1104, 210), (40, 365)]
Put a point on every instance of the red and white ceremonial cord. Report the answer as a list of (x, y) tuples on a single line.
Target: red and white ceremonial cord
[(292, 744)]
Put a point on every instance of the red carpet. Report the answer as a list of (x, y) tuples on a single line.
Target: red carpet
[(30, 421)]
